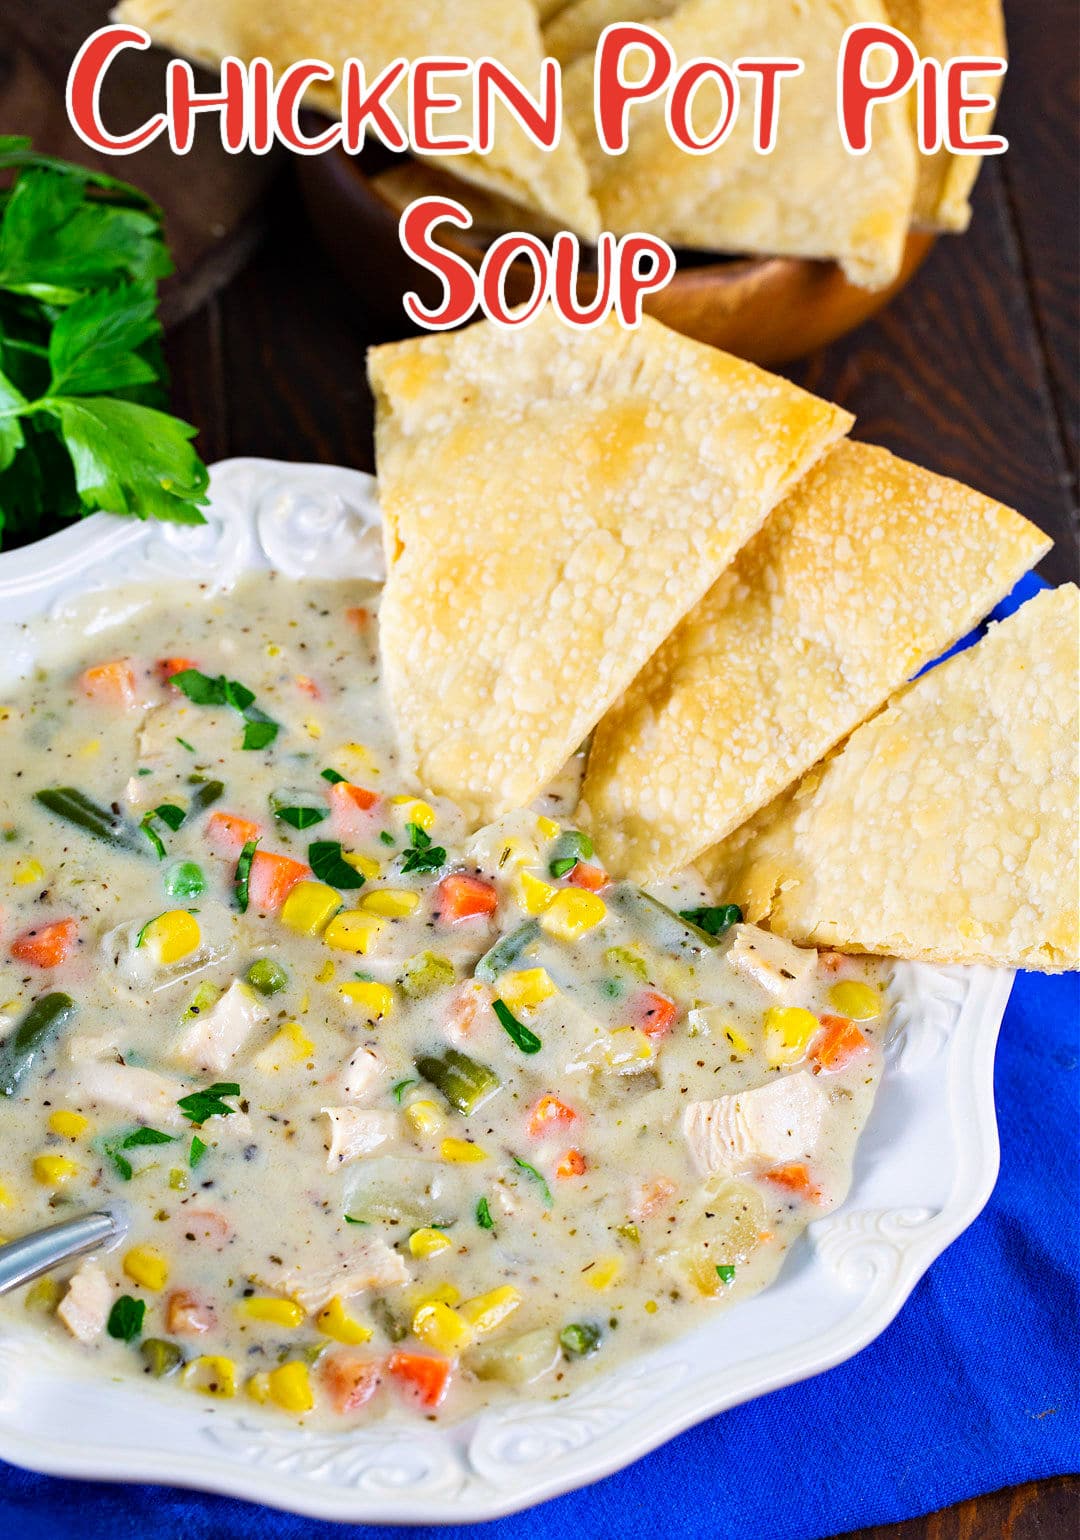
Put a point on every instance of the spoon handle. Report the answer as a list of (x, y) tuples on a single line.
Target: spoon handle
[(31, 1255)]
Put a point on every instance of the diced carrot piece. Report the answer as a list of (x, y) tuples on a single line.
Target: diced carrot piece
[(424, 1377), (348, 797), (549, 1112), (358, 618), (650, 1197), (186, 1315), (585, 876), (572, 1164), (463, 1009), (308, 686), (112, 684), (207, 1225), (461, 897), (349, 1380), (654, 1013), (795, 1177), (167, 667), (46, 946), (838, 1042), (272, 879), (228, 833)]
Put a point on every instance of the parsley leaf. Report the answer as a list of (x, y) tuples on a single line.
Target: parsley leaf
[(145, 1136), (483, 1215), (516, 1030), (197, 1151), (126, 1318), (402, 1086), (300, 817), (531, 1171), (203, 690), (328, 864), (332, 776), (422, 855), (201, 1105), (242, 880), (713, 921)]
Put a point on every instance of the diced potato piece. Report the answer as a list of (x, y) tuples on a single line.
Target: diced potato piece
[(85, 1307), (358, 1131)]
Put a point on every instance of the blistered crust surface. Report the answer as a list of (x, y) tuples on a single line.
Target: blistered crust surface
[(554, 502), (378, 32), (809, 197), (870, 569), (945, 830)]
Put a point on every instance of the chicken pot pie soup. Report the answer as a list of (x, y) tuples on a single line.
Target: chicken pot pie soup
[(400, 1114)]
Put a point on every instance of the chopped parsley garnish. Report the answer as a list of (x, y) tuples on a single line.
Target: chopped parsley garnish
[(531, 1171), (184, 744), (725, 1272), (146, 824), (330, 866), (201, 1105), (713, 921), (126, 1318), (402, 1086), (242, 880), (197, 1151), (170, 814), (422, 855), (206, 690), (351, 1220), (145, 1136), (300, 817), (141, 937), (111, 1148), (332, 776), (483, 1215), (516, 1030), (386, 837)]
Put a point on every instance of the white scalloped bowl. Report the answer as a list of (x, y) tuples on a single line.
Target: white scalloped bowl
[(924, 1168)]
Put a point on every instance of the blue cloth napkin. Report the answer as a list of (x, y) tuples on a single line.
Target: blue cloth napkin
[(975, 1386)]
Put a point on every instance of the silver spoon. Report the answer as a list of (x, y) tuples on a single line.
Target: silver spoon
[(42, 1250)]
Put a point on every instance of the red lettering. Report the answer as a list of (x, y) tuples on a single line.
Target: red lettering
[(958, 104), (261, 86), (634, 283), (184, 102), (358, 103), (680, 105), (501, 256), (858, 96), (424, 104), (539, 119), (564, 286), (83, 91), (458, 278), (767, 96), (291, 88), (614, 94), (929, 120)]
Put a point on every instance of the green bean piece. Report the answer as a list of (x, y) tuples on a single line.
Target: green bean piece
[(580, 1339), (464, 1083), (662, 926), (162, 1358), (75, 807), (267, 976), (506, 951), (42, 1022), (205, 796)]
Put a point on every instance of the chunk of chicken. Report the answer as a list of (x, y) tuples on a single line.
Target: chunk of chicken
[(774, 1122), (358, 1131), (361, 1075), (141, 1093), (372, 1265), (85, 1307), (771, 962), (215, 1037)]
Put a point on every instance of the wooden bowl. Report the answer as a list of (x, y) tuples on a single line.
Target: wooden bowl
[(767, 309)]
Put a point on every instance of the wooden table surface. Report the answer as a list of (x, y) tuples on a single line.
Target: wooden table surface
[(973, 371)]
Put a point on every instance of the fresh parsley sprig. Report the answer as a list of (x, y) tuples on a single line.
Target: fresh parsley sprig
[(82, 376)]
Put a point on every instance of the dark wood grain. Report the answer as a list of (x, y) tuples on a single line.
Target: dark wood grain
[(1041, 1510)]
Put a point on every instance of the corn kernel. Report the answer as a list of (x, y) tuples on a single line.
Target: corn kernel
[(788, 1030), (735, 1038), (572, 912), (69, 1125), (529, 987), (289, 1045), (603, 1274), (425, 1117), (333, 1321), (326, 973), (277, 1312), (54, 1170), (484, 1312), (313, 728), (438, 1293), (461, 1152), (27, 872), (361, 756), (310, 907), (628, 1045), (442, 1328), (858, 1002), (651, 1307), (352, 931), (367, 866), (172, 937), (532, 893), (210, 1376), (258, 1388), (90, 748), (376, 1000), (415, 811), (6, 1200), (394, 903), (548, 828), (146, 1267), (429, 1243)]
